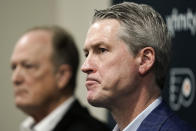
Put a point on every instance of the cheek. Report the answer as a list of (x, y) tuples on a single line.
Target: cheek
[(41, 85), (118, 73), (42, 92), (110, 73)]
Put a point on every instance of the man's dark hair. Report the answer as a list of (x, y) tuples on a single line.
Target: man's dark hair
[(64, 50)]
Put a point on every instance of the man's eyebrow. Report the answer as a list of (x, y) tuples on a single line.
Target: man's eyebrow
[(94, 46)]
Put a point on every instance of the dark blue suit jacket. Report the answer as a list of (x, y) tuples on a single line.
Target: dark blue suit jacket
[(163, 119), (78, 118)]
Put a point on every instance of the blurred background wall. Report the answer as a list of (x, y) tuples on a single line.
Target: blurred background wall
[(15, 18)]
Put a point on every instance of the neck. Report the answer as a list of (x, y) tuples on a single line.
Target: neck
[(128, 108), (39, 113)]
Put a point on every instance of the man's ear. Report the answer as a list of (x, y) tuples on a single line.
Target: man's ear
[(147, 59), (64, 74)]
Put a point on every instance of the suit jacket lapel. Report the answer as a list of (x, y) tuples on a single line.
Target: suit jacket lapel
[(156, 118), (72, 114)]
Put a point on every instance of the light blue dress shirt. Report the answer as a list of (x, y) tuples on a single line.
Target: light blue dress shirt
[(134, 125)]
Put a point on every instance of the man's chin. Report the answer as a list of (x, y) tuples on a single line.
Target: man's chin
[(23, 105), (96, 100), (26, 108), (19, 104), (96, 103)]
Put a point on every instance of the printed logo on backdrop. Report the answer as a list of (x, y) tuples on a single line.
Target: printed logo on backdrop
[(181, 88), (182, 80), (177, 22)]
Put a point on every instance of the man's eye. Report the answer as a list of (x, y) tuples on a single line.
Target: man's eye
[(29, 66), (102, 50), (85, 54), (13, 67)]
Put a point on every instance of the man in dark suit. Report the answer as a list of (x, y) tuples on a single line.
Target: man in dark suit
[(127, 51), (163, 119), (44, 66)]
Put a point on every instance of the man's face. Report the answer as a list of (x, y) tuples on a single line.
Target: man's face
[(110, 66), (33, 74)]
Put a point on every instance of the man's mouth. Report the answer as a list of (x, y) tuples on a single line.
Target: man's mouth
[(91, 82)]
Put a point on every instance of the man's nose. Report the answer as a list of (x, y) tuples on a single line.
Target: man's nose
[(88, 66), (17, 76)]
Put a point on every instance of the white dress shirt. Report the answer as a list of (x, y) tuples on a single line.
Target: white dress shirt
[(134, 125), (50, 121)]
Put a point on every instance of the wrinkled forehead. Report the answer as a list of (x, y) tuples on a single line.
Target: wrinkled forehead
[(36, 36), (102, 31), (35, 43)]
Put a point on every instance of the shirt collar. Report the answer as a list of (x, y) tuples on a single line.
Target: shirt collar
[(50, 121), (134, 125)]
